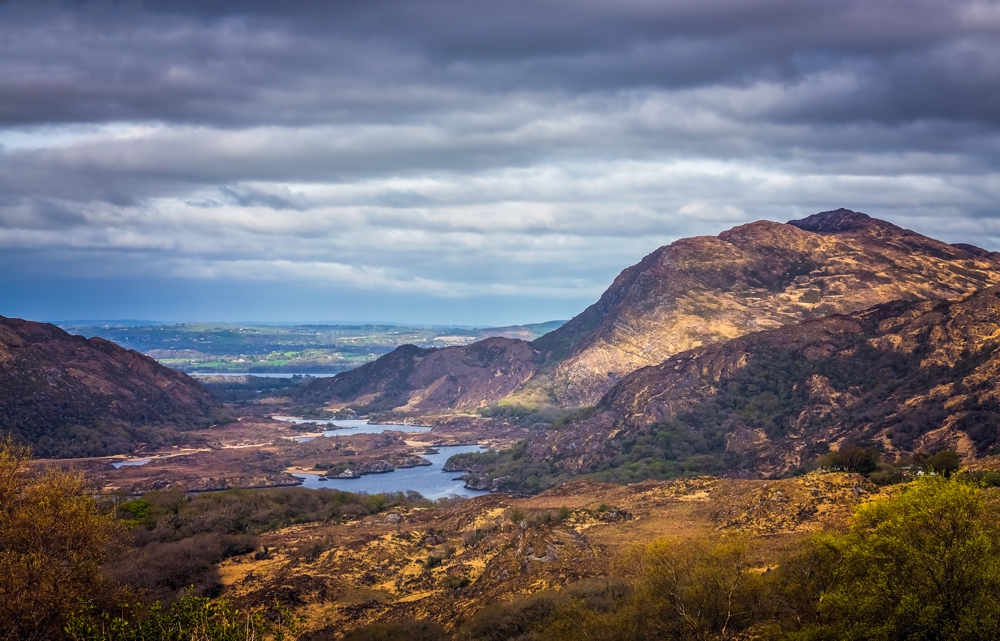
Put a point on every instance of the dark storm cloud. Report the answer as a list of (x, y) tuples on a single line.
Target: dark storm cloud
[(521, 149), (236, 63)]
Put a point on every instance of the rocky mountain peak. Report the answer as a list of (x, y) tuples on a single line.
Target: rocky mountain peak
[(841, 220)]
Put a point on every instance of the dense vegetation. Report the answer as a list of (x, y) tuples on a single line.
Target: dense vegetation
[(175, 540), (53, 540)]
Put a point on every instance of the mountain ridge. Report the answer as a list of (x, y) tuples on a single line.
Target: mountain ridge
[(696, 291)]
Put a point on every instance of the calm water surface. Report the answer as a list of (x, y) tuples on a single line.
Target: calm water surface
[(265, 374), (430, 481), (141, 461), (350, 426)]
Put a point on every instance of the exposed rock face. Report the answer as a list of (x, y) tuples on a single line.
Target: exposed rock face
[(901, 376), (72, 396), (699, 291), (693, 292), (411, 378)]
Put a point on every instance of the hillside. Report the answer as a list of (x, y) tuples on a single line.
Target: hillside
[(703, 290), (693, 292), (376, 568), (72, 396), (900, 377), (412, 378)]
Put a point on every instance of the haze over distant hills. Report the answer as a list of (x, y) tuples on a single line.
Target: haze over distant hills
[(244, 348), (693, 292)]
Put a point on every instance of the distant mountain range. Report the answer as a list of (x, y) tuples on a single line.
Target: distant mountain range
[(72, 396), (750, 353)]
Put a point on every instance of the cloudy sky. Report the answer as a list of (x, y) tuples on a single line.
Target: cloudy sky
[(462, 161)]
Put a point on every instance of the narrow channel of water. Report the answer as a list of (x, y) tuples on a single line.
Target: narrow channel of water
[(430, 481)]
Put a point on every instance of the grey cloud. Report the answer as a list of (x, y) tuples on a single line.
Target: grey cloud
[(285, 198), (526, 148), (237, 64), (39, 213), (401, 198)]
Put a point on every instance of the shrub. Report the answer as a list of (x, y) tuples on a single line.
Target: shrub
[(53, 538), (410, 630), (190, 618), (455, 582), (945, 462), (922, 565)]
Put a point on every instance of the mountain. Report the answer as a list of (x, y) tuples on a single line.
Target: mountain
[(900, 377), (703, 290), (71, 396), (693, 292), (411, 378)]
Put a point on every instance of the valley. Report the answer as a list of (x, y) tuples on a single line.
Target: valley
[(731, 405)]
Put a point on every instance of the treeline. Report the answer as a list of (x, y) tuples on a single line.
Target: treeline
[(922, 565)]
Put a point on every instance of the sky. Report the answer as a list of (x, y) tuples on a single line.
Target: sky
[(462, 161)]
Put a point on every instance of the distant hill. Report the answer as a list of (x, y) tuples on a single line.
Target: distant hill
[(228, 348), (411, 378), (528, 332), (72, 396), (694, 292)]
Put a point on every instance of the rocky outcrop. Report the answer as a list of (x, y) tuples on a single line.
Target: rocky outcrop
[(73, 396), (357, 469), (692, 293)]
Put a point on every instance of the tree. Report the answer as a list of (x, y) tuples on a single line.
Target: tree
[(923, 565), (698, 590), (53, 538), (944, 462), (851, 459)]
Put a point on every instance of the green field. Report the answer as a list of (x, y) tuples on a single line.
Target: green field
[(226, 348)]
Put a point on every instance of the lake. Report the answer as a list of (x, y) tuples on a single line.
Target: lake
[(266, 374), (430, 481), (347, 427), (141, 461)]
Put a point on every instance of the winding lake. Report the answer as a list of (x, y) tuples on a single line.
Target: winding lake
[(430, 481)]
